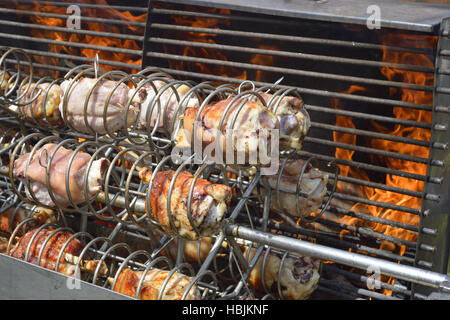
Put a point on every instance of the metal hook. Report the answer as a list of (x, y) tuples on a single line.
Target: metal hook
[(245, 82), (275, 84)]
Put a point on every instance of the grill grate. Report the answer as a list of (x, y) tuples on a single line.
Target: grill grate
[(225, 46)]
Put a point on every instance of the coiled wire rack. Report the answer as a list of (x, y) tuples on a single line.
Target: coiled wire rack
[(221, 273)]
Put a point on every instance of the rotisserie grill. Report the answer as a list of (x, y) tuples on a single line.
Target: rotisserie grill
[(225, 149)]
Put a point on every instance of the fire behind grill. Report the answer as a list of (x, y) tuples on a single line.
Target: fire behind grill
[(338, 74)]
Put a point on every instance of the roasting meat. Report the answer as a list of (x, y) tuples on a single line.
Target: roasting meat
[(166, 107), (208, 206), (36, 172), (128, 281), (195, 251), (299, 277), (116, 110), (51, 251), (36, 109), (293, 117), (11, 218), (313, 185), (3, 244), (254, 118)]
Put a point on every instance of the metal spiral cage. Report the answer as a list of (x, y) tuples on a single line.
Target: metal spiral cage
[(124, 201)]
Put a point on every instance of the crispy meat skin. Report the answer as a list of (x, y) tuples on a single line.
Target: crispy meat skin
[(314, 184), (6, 219), (294, 120), (36, 173), (51, 250), (128, 282), (299, 277), (115, 112), (289, 116), (207, 207), (251, 120), (37, 110)]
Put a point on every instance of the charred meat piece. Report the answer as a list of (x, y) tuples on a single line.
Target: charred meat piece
[(115, 110), (36, 172), (208, 206), (36, 109), (313, 188), (51, 251), (165, 107), (293, 117), (128, 281), (298, 278), (252, 121)]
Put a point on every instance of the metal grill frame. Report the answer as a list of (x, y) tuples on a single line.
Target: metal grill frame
[(434, 230), (429, 228)]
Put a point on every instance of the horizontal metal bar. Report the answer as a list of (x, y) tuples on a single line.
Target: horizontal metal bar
[(40, 65), (74, 31), (359, 291), (231, 17), (342, 241), (376, 135), (64, 16), (297, 55), (82, 59), (370, 218), (370, 167), (378, 204), (281, 70), (81, 5), (301, 90), (351, 275), (378, 152), (70, 44), (367, 233), (368, 116), (282, 37), (380, 186), (408, 273), (337, 293)]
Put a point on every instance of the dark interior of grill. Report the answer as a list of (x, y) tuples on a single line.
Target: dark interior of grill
[(378, 103)]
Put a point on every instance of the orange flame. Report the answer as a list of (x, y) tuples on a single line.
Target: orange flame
[(407, 95), (87, 39)]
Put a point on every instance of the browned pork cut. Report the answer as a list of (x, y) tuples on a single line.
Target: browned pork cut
[(208, 206), (313, 188), (195, 251), (254, 127), (11, 218), (117, 115), (298, 278), (52, 250), (36, 172), (36, 109), (243, 138), (166, 107), (293, 117), (128, 281)]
